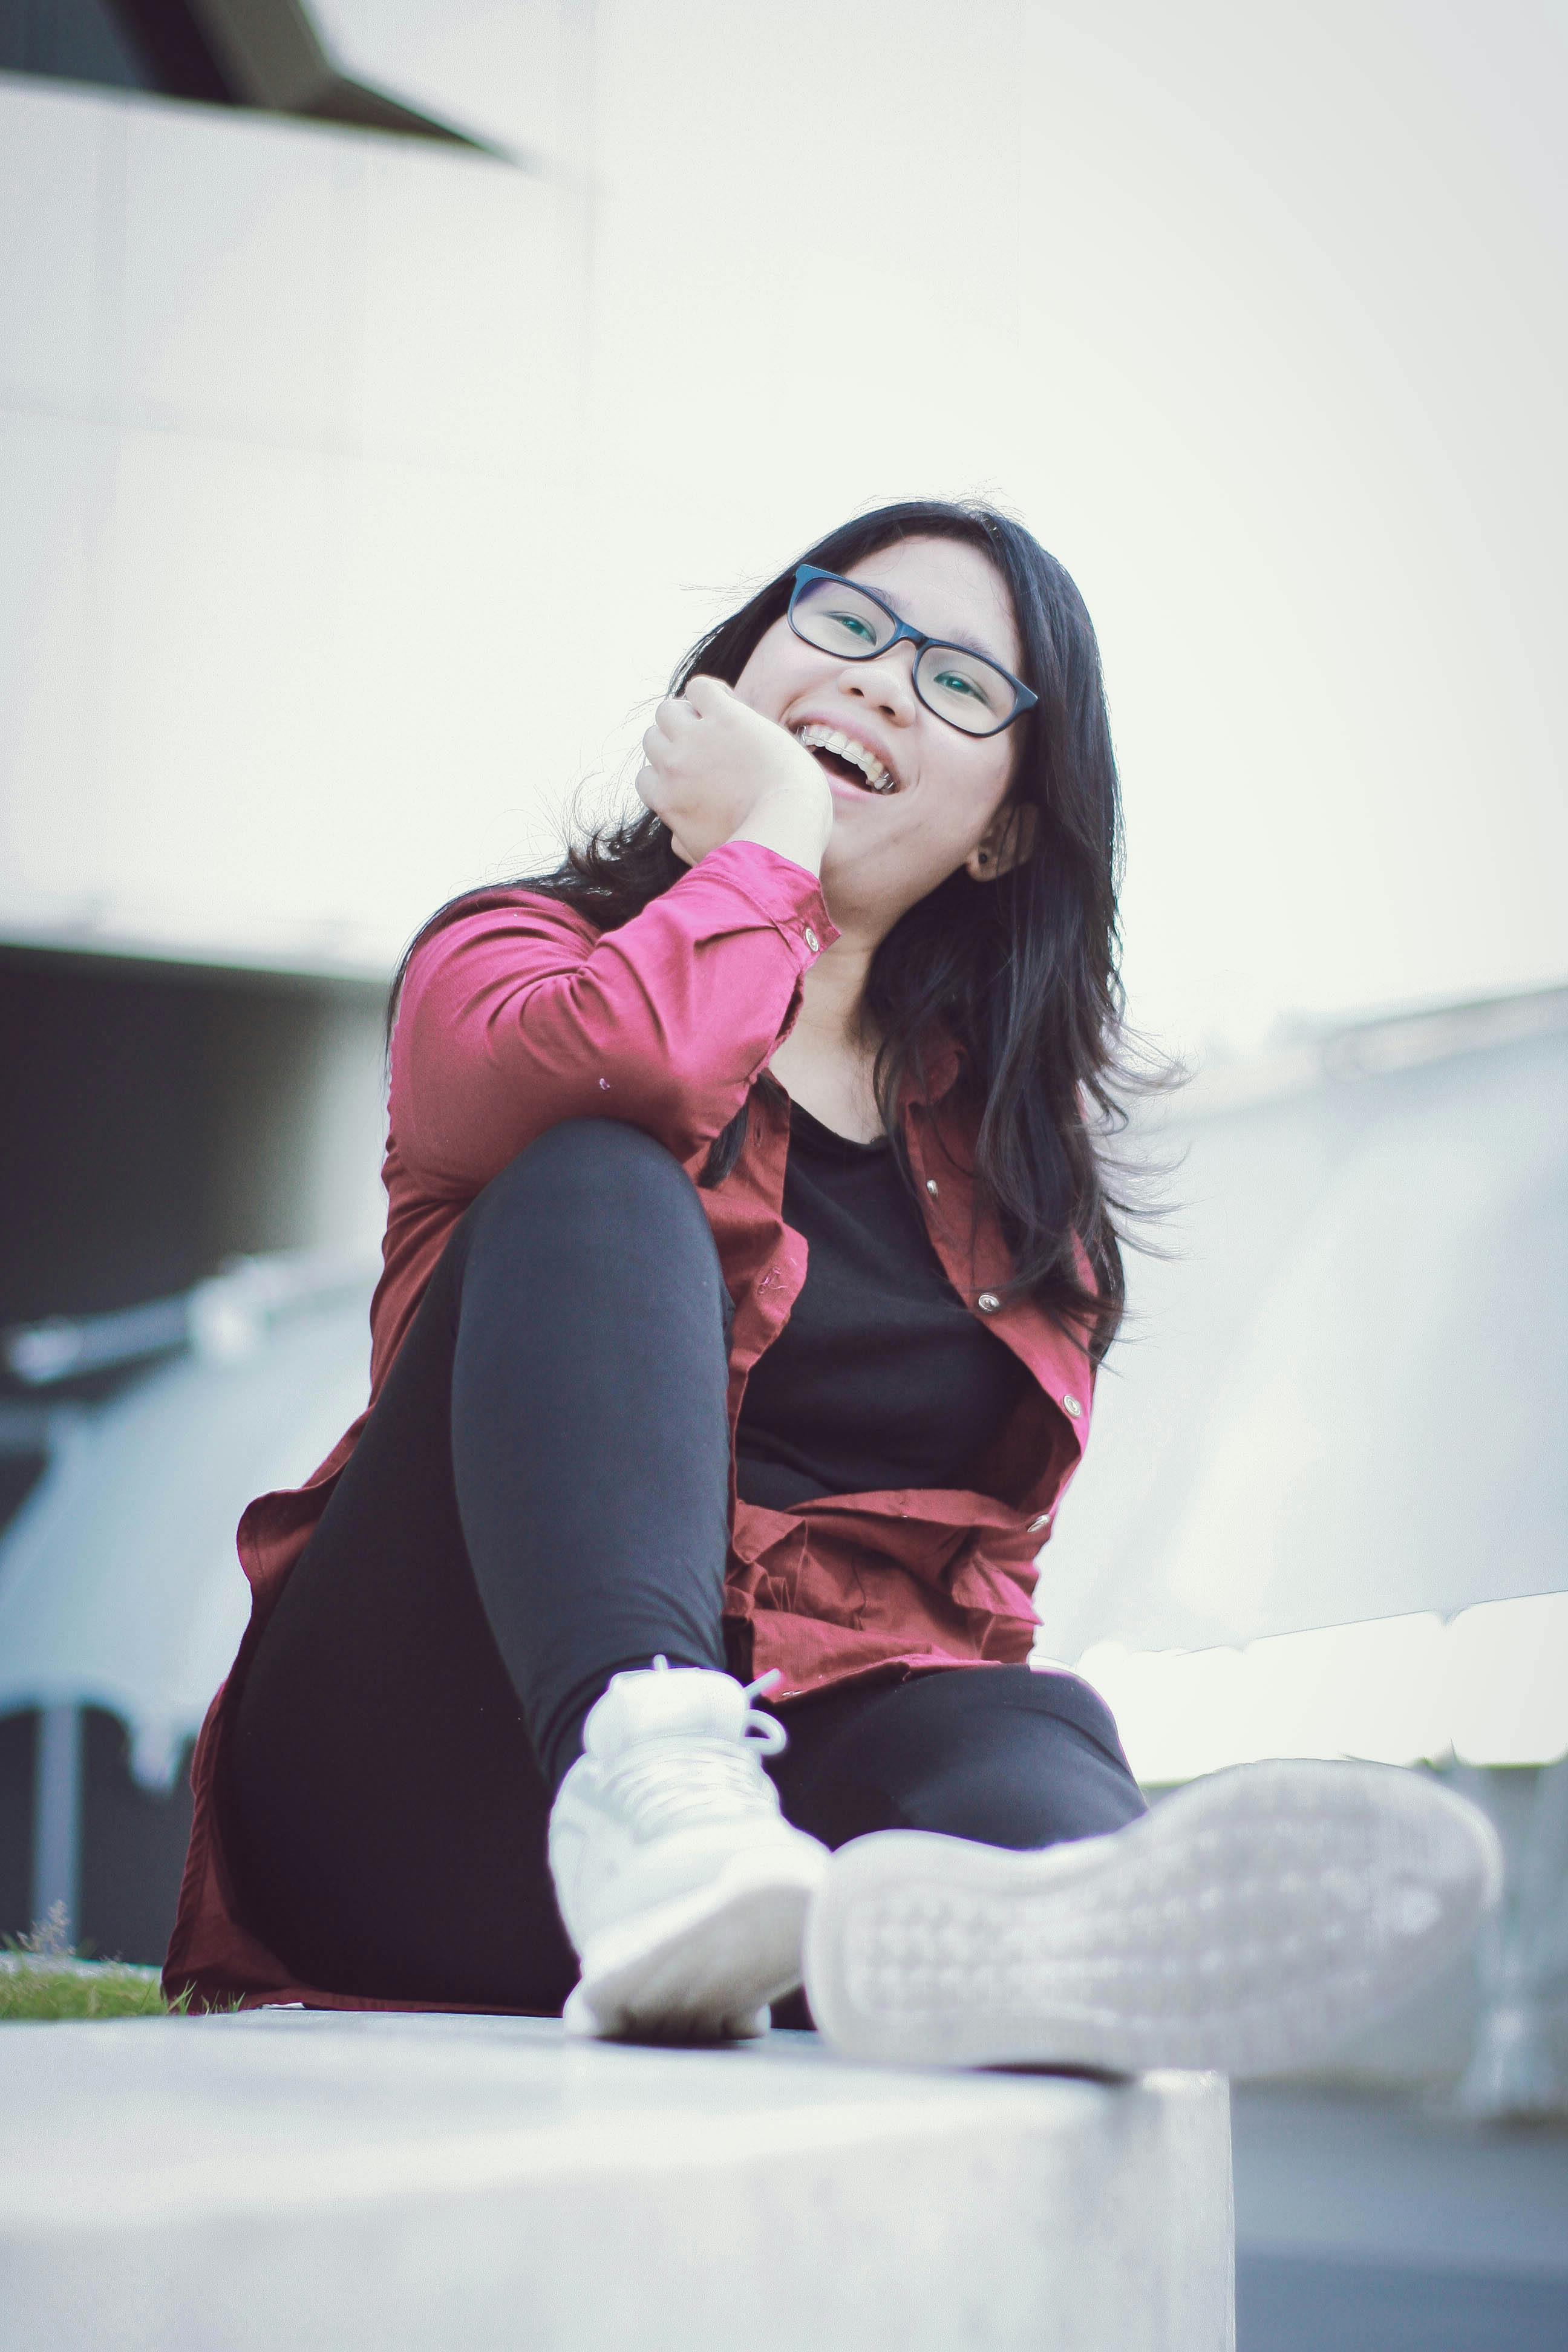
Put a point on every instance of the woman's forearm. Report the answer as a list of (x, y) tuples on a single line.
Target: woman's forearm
[(518, 1016)]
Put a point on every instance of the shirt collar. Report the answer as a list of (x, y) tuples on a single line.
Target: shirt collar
[(946, 1058)]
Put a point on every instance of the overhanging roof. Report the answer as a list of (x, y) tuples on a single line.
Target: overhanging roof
[(1343, 1397)]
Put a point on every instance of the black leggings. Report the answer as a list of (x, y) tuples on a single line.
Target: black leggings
[(540, 1499)]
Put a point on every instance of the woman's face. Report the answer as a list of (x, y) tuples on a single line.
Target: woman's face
[(889, 849)]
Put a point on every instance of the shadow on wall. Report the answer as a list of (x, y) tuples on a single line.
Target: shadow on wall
[(161, 1120), (133, 1842)]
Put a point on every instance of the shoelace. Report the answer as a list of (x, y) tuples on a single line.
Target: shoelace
[(660, 1786)]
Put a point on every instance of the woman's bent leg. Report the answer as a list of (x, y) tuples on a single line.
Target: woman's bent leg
[(538, 1500), (590, 1440)]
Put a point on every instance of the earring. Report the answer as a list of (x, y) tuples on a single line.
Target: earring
[(982, 857)]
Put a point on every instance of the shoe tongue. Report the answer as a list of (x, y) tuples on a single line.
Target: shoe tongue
[(680, 1703)]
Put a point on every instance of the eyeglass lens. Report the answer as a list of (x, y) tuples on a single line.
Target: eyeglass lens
[(962, 687)]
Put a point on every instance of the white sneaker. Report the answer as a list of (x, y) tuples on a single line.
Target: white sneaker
[(1244, 1925), (682, 1886)]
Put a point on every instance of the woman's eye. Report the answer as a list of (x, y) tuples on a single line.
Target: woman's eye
[(855, 627), (952, 681)]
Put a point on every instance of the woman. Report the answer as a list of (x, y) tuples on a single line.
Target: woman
[(662, 1629)]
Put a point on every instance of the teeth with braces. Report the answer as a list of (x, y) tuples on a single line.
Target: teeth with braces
[(817, 738)]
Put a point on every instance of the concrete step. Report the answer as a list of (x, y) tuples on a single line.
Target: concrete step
[(293, 2181)]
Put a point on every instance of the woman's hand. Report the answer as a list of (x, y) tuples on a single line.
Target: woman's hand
[(718, 770)]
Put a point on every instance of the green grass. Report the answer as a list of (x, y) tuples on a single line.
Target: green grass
[(45, 1979), (34, 1992)]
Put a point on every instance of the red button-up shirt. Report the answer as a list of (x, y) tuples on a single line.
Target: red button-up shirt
[(521, 1015)]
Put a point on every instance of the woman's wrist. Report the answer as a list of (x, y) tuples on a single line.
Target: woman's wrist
[(791, 824)]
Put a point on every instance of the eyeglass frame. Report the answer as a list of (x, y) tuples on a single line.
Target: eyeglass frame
[(1028, 699)]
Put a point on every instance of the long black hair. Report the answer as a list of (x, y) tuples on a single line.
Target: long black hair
[(1021, 974)]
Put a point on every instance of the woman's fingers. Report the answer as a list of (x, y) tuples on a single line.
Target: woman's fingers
[(705, 694), (651, 792), (674, 718), (654, 791), (673, 723)]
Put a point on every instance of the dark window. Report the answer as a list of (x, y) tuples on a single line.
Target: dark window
[(246, 53), (72, 40)]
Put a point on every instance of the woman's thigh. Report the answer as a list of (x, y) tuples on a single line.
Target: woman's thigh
[(380, 1793), (999, 1754)]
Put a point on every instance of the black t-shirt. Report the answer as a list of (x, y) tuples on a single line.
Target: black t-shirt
[(881, 1377)]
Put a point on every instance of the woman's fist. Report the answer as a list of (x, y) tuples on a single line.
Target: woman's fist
[(715, 770)]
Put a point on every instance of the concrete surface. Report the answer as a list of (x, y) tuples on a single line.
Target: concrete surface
[(294, 2178)]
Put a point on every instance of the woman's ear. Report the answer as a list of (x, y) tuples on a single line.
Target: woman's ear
[(1008, 840)]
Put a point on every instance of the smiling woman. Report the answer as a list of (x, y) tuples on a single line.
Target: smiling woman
[(975, 896), (750, 1258)]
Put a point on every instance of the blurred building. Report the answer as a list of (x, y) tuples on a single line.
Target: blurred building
[(358, 485)]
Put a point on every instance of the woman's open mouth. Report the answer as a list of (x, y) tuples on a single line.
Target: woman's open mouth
[(843, 759)]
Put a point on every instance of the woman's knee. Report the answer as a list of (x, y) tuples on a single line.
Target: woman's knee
[(598, 1178), (595, 1228)]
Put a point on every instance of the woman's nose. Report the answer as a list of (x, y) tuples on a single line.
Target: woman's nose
[(886, 681)]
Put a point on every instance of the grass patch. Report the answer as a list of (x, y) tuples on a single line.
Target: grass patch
[(45, 1979), (38, 1991)]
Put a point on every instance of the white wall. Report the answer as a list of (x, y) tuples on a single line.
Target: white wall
[(1255, 315), (281, 438)]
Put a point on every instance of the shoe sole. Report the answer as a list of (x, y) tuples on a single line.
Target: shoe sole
[(1243, 1926), (700, 1968)]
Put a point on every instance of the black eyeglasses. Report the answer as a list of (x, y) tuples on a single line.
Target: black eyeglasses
[(842, 617)]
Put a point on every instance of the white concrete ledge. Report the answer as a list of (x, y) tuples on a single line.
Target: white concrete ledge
[(295, 2182)]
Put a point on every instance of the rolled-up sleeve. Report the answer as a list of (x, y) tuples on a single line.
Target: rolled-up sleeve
[(520, 1015)]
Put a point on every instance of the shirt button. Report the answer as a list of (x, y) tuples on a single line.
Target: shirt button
[(988, 1303), (1070, 1405), (1036, 1525), (930, 1186), (811, 939)]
